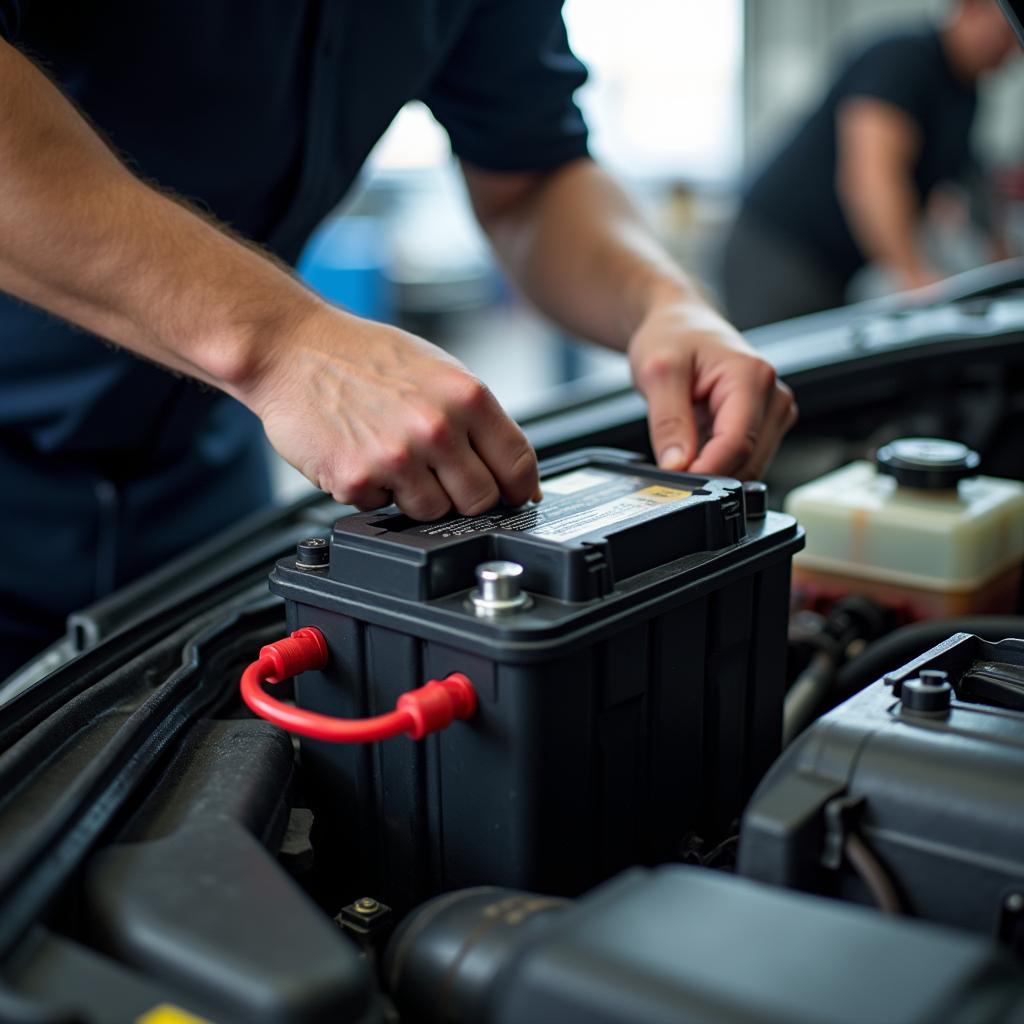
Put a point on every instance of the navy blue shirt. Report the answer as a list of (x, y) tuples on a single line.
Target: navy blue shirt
[(795, 194), (262, 113)]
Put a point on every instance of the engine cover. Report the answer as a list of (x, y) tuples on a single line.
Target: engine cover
[(927, 767)]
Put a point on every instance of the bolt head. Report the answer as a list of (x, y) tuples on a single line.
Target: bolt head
[(929, 694)]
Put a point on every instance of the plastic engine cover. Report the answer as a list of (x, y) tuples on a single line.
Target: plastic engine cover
[(927, 766)]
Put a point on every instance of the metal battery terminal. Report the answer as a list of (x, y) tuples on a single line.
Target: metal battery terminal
[(313, 554), (499, 589)]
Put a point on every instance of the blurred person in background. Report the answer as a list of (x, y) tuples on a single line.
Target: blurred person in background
[(148, 344), (851, 186)]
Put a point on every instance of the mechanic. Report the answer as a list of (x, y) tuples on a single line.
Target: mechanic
[(850, 187), (161, 165)]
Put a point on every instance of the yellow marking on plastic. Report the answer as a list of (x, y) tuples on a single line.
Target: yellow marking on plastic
[(656, 492), (165, 1013)]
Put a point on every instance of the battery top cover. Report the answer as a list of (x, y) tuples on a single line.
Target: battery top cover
[(605, 517), (577, 503)]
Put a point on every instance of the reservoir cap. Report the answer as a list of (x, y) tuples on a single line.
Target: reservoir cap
[(928, 462)]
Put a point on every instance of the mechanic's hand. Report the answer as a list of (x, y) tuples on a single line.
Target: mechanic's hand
[(912, 278), (368, 412), (714, 405)]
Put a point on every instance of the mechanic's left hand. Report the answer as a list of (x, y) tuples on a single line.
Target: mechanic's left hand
[(714, 405)]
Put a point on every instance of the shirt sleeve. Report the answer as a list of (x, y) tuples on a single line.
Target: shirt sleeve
[(10, 19), (895, 71), (505, 92)]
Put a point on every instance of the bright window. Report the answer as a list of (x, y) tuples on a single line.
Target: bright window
[(665, 89), (663, 98)]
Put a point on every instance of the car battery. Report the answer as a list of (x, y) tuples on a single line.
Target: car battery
[(626, 638), (925, 770)]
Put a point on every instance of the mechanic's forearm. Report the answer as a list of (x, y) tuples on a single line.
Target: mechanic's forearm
[(881, 208), (83, 238), (582, 253)]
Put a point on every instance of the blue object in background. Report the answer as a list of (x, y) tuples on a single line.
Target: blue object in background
[(346, 261)]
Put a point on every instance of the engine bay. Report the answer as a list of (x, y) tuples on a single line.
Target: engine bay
[(599, 759)]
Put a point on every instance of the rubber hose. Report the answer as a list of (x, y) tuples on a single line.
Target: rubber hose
[(806, 694)]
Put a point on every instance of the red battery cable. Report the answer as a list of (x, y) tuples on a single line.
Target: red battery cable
[(418, 713)]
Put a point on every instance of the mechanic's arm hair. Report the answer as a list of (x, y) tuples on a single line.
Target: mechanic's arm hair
[(85, 239), (580, 250), (578, 247), (877, 144), (366, 411)]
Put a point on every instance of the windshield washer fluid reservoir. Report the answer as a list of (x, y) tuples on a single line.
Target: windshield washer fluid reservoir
[(918, 531)]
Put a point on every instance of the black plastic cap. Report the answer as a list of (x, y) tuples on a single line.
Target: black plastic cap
[(755, 499), (929, 463), (928, 694), (312, 553)]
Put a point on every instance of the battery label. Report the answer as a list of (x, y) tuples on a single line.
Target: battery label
[(575, 503), (577, 480)]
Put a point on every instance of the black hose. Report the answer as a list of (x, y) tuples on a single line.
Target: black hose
[(806, 694), (906, 643)]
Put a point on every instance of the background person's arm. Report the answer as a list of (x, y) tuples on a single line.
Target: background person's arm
[(876, 145), (580, 251), (361, 408)]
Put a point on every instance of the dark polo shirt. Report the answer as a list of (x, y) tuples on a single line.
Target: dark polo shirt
[(261, 112), (794, 195)]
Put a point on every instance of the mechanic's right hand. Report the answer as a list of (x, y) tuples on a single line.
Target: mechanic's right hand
[(372, 414)]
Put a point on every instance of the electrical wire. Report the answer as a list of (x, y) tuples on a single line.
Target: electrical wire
[(418, 713), (873, 874)]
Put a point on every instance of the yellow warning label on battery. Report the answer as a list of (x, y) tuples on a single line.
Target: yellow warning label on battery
[(658, 493), (165, 1013), (636, 504)]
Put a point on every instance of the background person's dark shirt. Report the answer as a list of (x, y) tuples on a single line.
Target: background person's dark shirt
[(261, 112), (795, 194)]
